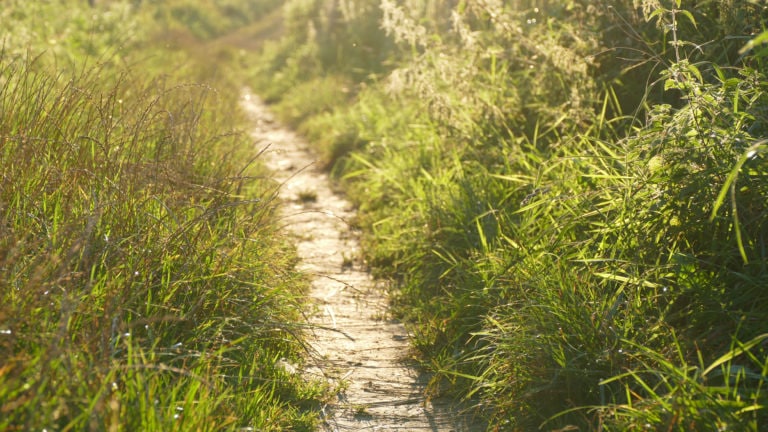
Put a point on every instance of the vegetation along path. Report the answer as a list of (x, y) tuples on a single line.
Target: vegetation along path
[(363, 353)]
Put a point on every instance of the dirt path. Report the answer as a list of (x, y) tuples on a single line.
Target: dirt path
[(364, 353)]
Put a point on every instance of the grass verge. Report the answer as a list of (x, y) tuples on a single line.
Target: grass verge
[(145, 286), (568, 196)]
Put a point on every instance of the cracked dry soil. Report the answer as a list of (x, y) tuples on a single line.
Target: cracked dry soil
[(356, 346)]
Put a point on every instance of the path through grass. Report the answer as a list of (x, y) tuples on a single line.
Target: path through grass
[(355, 343)]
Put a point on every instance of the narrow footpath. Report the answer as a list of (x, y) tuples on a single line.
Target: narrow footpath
[(356, 344)]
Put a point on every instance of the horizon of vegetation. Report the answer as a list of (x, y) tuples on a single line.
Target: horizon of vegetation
[(568, 196)]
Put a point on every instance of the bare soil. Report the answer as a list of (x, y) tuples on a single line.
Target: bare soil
[(364, 353)]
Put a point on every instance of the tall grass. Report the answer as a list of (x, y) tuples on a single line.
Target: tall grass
[(145, 286), (569, 197)]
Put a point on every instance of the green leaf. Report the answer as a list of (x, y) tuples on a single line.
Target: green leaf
[(759, 39), (670, 83), (719, 72), (688, 15), (629, 280), (694, 71), (730, 355), (755, 148), (655, 13)]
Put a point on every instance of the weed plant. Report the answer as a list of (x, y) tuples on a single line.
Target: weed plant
[(145, 286)]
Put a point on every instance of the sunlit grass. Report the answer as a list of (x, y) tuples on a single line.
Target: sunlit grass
[(572, 207), (144, 284)]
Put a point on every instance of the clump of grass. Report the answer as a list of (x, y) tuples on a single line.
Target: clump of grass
[(571, 200), (145, 286)]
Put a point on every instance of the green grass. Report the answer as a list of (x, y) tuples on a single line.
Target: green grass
[(145, 285), (569, 197)]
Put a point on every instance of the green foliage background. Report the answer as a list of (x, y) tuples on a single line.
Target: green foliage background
[(569, 196)]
